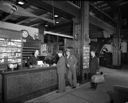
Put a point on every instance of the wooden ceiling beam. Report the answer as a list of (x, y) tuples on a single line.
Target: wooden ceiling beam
[(115, 9), (20, 22), (64, 6), (67, 27), (34, 22), (7, 17), (101, 11), (64, 28), (113, 5), (123, 3), (60, 25), (50, 8), (101, 24)]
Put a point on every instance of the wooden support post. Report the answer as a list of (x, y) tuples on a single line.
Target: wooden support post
[(41, 35), (76, 34), (117, 43), (76, 40), (84, 32), (116, 52)]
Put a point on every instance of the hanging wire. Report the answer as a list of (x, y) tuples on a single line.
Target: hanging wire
[(53, 11)]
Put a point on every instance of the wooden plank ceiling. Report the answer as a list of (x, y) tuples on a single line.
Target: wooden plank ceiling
[(64, 19), (32, 7)]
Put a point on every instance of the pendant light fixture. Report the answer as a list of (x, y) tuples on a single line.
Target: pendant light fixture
[(20, 2)]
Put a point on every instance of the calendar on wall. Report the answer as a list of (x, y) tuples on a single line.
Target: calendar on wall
[(86, 56), (44, 50)]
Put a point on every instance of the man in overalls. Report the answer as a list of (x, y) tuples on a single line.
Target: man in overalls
[(71, 64)]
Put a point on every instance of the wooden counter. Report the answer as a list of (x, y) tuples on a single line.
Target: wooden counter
[(27, 81)]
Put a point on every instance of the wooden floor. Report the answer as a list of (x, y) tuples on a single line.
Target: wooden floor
[(84, 94)]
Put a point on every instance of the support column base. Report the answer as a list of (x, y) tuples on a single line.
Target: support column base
[(116, 67), (85, 76)]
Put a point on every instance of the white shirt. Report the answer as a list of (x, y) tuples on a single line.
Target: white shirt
[(108, 47)]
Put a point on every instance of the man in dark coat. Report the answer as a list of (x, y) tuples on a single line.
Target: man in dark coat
[(94, 67), (61, 70)]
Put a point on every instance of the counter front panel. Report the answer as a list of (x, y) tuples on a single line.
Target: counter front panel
[(20, 83)]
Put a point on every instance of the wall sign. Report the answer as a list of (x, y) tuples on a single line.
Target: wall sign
[(44, 50), (86, 56)]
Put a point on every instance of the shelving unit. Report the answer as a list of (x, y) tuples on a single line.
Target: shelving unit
[(29, 47), (10, 52)]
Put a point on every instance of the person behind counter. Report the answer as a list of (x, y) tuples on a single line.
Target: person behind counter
[(61, 70), (33, 59)]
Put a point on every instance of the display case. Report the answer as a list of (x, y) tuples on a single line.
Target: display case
[(10, 53)]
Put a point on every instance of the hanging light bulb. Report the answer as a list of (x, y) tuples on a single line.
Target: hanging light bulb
[(20, 2), (46, 25), (57, 22), (56, 16)]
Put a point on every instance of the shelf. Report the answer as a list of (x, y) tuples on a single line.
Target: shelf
[(26, 52), (10, 46), (9, 52), (13, 41), (9, 63), (30, 47), (14, 63), (12, 58), (26, 55)]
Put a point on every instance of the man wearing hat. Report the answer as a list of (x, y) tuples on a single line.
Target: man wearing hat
[(71, 64), (61, 70), (94, 67)]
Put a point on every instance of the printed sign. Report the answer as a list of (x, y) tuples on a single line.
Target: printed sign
[(44, 50), (86, 56)]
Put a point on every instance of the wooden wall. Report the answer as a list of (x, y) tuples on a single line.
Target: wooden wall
[(0, 86)]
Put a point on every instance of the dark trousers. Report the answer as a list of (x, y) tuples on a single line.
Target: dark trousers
[(72, 77), (61, 82), (124, 58), (92, 84)]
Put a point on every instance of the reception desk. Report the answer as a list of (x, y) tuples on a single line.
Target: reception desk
[(20, 83)]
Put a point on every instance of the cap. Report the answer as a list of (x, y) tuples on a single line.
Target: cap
[(60, 51), (68, 49)]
